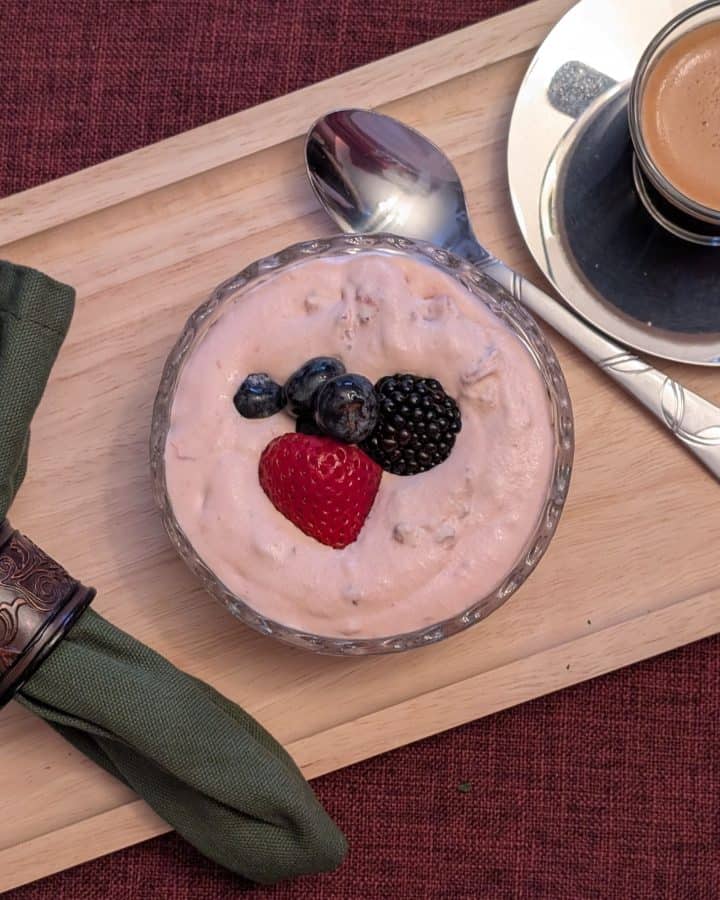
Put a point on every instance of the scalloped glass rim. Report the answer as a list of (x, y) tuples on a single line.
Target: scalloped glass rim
[(486, 291)]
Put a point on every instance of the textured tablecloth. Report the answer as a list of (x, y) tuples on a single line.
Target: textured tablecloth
[(606, 790)]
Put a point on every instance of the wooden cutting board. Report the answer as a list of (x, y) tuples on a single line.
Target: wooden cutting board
[(633, 570)]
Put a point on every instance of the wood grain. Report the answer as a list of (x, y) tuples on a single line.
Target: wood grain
[(632, 571)]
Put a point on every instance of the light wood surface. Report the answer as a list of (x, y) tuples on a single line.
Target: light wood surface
[(632, 572)]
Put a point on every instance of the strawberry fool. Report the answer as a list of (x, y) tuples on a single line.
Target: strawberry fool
[(433, 544)]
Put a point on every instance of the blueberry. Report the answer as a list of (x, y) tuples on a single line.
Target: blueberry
[(302, 386), (346, 408), (259, 396)]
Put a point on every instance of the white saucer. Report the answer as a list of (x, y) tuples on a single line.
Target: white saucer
[(570, 168)]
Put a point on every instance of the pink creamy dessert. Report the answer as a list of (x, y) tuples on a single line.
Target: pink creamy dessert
[(434, 543)]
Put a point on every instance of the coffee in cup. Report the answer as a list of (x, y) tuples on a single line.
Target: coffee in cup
[(680, 114), (674, 114)]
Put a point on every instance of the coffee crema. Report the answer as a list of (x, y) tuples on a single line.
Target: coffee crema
[(680, 114)]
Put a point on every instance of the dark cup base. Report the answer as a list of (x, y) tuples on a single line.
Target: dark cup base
[(678, 223)]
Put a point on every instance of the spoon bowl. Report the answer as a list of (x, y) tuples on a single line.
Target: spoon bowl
[(374, 174)]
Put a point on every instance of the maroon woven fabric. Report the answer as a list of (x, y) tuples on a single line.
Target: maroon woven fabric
[(606, 790)]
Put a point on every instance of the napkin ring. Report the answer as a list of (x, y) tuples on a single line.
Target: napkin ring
[(39, 603)]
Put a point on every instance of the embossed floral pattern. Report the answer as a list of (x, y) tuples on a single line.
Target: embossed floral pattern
[(31, 586)]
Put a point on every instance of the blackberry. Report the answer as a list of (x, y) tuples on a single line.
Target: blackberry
[(417, 425)]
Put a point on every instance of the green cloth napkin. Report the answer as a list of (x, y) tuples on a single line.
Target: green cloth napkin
[(202, 763)]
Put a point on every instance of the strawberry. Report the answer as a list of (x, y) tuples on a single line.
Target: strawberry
[(324, 487)]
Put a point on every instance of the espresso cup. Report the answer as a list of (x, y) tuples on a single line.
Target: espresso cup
[(664, 193)]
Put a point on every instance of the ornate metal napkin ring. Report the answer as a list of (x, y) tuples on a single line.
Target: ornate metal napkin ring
[(39, 603)]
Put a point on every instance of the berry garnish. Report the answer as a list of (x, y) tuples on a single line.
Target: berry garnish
[(417, 425), (302, 386), (346, 408), (259, 396), (324, 487), (306, 425)]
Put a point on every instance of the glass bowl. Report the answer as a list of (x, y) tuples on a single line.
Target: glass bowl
[(487, 292)]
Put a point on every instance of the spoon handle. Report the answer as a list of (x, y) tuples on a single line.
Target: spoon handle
[(694, 421)]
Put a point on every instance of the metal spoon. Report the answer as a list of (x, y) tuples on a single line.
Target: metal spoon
[(372, 173)]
